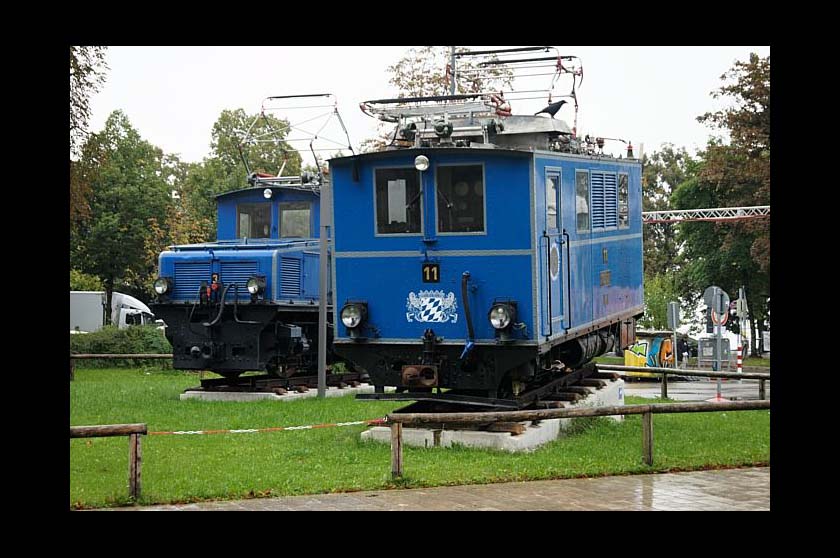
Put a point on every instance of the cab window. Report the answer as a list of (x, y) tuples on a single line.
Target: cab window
[(253, 220), (460, 198), (582, 200), (295, 220), (398, 201)]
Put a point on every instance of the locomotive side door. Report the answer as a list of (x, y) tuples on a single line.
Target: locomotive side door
[(551, 256)]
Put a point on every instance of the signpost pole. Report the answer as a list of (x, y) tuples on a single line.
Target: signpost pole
[(322, 289), (718, 298)]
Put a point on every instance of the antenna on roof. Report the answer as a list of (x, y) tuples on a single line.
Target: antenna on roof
[(317, 112)]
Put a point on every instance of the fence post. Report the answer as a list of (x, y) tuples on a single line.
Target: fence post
[(761, 389), (647, 441), (134, 462), (396, 450), (664, 393), (72, 368)]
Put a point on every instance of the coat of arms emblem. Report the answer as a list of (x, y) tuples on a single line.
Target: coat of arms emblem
[(431, 306)]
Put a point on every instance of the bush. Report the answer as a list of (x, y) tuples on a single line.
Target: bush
[(146, 339)]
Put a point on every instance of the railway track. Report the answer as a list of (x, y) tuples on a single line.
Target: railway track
[(552, 394)]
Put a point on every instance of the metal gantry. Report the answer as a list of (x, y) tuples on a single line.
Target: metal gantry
[(710, 214)]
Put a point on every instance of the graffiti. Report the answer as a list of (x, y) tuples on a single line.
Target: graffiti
[(657, 352)]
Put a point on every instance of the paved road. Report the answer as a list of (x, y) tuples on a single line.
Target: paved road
[(730, 489), (699, 390)]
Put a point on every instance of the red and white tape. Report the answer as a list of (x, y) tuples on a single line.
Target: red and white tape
[(740, 358), (272, 429)]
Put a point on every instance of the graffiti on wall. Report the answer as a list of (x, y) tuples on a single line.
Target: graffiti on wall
[(656, 352)]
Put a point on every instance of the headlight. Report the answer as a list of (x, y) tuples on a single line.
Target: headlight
[(421, 162), (256, 285), (501, 315), (352, 315), (163, 285)]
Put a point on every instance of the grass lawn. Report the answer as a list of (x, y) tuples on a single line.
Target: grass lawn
[(179, 468)]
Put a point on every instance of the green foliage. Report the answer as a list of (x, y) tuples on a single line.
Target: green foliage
[(129, 191), (659, 291), (736, 253), (663, 172), (83, 282), (87, 74), (146, 339), (229, 135)]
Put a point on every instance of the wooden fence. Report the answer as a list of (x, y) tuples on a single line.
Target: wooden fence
[(133, 431), (665, 372), (398, 420)]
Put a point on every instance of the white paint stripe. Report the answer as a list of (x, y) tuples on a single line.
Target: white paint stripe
[(271, 429), (601, 240)]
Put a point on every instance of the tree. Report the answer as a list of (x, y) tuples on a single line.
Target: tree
[(733, 174), (129, 191), (83, 282), (663, 171), (229, 134), (87, 74), (660, 289)]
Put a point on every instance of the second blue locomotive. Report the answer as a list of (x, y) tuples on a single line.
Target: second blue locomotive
[(248, 301)]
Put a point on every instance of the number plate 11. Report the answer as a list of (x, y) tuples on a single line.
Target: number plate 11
[(431, 272)]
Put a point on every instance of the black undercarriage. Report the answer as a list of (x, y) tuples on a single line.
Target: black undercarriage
[(281, 340), (502, 375)]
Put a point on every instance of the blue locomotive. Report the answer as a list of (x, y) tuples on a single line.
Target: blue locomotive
[(487, 256), (249, 300)]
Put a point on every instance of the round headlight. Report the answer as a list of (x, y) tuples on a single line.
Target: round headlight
[(421, 162), (253, 285), (351, 315), (161, 285), (500, 316), (267, 193)]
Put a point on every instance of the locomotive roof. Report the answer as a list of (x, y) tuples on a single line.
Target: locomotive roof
[(313, 190), (249, 244), (482, 148)]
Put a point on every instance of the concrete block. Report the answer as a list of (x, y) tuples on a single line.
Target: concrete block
[(534, 436)]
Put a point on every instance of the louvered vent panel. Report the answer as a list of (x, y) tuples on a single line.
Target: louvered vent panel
[(237, 273), (290, 277), (597, 209), (188, 278)]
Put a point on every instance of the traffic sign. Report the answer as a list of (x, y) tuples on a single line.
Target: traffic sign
[(741, 308), (673, 315), (721, 304)]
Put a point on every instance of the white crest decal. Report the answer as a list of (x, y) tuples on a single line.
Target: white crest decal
[(431, 306)]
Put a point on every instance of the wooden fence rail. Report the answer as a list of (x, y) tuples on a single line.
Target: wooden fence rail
[(665, 372), (133, 431), (398, 420)]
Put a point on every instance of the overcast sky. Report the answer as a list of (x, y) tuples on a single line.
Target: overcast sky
[(173, 95)]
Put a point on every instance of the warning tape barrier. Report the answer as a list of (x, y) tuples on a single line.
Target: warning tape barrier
[(272, 429)]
